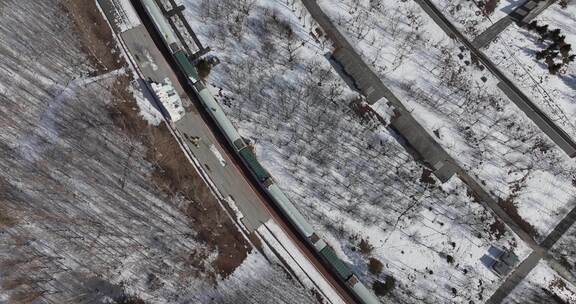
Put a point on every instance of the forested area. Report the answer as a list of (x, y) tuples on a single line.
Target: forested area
[(97, 205)]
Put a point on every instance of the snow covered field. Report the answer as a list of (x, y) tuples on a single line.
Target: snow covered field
[(90, 208), (542, 285), (514, 52), (346, 173), (458, 101), (474, 17)]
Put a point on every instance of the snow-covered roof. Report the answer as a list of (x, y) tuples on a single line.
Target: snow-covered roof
[(169, 98)]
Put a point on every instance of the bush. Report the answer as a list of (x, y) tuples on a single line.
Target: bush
[(383, 288), (204, 68), (541, 54), (554, 68), (375, 266), (365, 247), (565, 50)]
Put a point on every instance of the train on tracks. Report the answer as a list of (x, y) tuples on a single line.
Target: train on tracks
[(246, 153)]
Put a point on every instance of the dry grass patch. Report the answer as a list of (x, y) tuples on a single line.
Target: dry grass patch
[(7, 216), (94, 34), (510, 208), (365, 247), (375, 266)]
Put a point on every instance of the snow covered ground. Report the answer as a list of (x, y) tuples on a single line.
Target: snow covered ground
[(458, 101), (86, 214), (256, 282), (564, 250), (542, 285), (347, 173), (514, 52), (298, 263)]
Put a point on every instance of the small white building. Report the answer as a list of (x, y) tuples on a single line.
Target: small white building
[(169, 98)]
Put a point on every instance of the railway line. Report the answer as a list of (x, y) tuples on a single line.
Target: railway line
[(258, 181), (334, 271)]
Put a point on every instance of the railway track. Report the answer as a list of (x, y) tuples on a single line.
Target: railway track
[(305, 248)]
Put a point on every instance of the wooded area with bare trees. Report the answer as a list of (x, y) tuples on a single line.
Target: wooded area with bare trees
[(97, 205)]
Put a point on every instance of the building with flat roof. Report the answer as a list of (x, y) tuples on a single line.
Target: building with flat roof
[(169, 98)]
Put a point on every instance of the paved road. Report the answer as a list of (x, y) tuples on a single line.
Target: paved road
[(540, 250), (492, 32), (515, 278), (369, 83), (555, 133), (548, 127), (522, 14), (408, 127), (224, 168), (534, 258), (560, 229)]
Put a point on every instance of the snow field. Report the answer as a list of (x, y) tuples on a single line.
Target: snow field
[(542, 285), (352, 180), (473, 17), (81, 218)]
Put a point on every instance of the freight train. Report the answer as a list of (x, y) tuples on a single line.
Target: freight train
[(248, 156)]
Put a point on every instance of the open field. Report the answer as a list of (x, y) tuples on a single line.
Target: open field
[(516, 50), (382, 211)]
